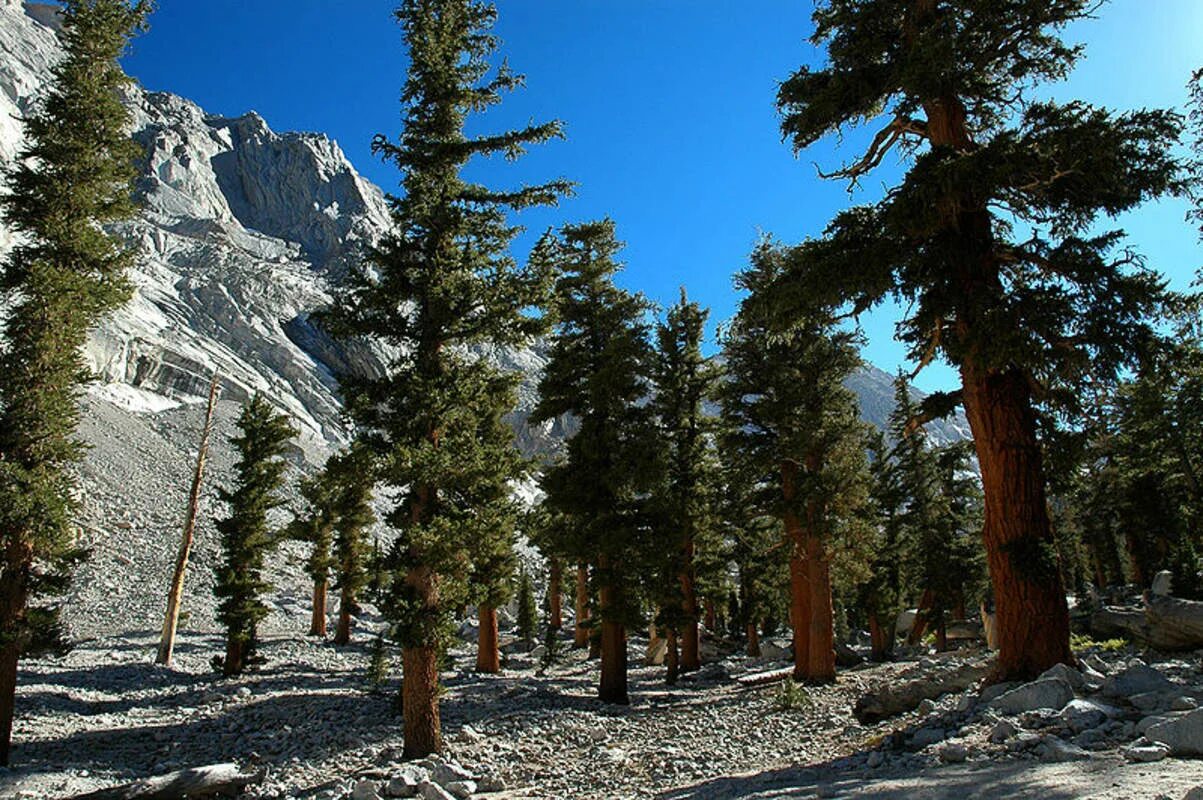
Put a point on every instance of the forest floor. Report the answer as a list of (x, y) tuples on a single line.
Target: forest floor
[(104, 714)]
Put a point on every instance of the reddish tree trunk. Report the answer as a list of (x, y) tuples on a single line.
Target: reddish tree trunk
[(613, 685), (9, 655), (711, 621), (691, 658), (671, 658), (753, 650), (235, 659), (799, 580), (346, 602), (878, 639), (420, 702), (317, 623), (919, 626), (1031, 612), (555, 591), (820, 666), (14, 594), (488, 655), (580, 634)]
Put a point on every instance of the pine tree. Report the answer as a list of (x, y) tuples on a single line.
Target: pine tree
[(246, 538), (795, 428), (597, 371), (528, 613), (74, 174), (989, 239), (881, 596), (315, 527), (684, 380), (351, 475), (440, 282)]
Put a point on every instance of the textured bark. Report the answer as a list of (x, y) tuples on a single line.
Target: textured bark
[(671, 658), (488, 655), (799, 582), (889, 700), (580, 634), (711, 617), (555, 591), (235, 659), (317, 623), (690, 650), (820, 664), (753, 650), (9, 656), (919, 626), (346, 603), (420, 702), (175, 592), (880, 639), (613, 685), (14, 594)]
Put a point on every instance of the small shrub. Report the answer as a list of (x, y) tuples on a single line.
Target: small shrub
[(792, 695)]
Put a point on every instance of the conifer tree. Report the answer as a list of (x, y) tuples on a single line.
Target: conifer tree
[(440, 282), (597, 371), (493, 565), (245, 534), (795, 428), (528, 613), (351, 475), (881, 596), (315, 527), (1027, 318), (74, 173), (684, 380)]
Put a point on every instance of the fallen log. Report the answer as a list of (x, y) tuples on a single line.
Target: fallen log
[(214, 779), (888, 701), (1165, 623), (761, 678)]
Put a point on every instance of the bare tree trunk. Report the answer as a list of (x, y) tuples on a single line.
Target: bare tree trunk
[(317, 625), (671, 659), (580, 635), (488, 655), (613, 685), (175, 593), (879, 640), (235, 659), (711, 617), (420, 702), (690, 650), (919, 626), (753, 649), (215, 779), (346, 602), (555, 591), (820, 666), (799, 580)]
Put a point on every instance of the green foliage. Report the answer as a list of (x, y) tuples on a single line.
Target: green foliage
[(552, 648), (245, 535), (380, 664), (440, 282), (792, 696), (597, 370), (73, 175), (528, 612), (1082, 644), (351, 472)]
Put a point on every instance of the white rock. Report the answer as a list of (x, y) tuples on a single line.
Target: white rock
[(1054, 750), (1136, 679), (1079, 715), (429, 790), (1051, 693), (1183, 735), (1184, 703), (447, 772), (1163, 583), (1145, 753), (953, 753), (1066, 673), (462, 789), (365, 790)]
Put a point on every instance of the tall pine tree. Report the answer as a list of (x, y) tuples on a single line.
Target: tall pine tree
[(246, 537), (351, 475), (1026, 312), (684, 380), (440, 282), (315, 527), (598, 372), (796, 428), (74, 174)]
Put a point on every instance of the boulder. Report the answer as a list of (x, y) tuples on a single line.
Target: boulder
[(905, 621), (1054, 750), (953, 753), (1066, 673), (1052, 693), (1003, 729), (365, 790), (926, 736), (447, 772), (1163, 583), (1146, 752), (1183, 735), (462, 789), (1138, 678), (429, 790), (1080, 715)]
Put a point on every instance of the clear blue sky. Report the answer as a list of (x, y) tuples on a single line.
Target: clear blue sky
[(668, 106)]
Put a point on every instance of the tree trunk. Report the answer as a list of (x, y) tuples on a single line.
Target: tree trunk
[(753, 649), (580, 634), (711, 620), (235, 659), (555, 591), (613, 686), (671, 659), (216, 779), (690, 651), (9, 655), (488, 656), (820, 666), (799, 584), (1031, 612), (879, 639), (420, 702), (175, 592), (317, 624), (346, 602), (919, 626)]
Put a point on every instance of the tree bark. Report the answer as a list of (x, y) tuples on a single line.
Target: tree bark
[(820, 666), (879, 640), (1031, 613), (919, 626), (488, 655), (753, 649), (711, 620), (175, 592), (799, 583), (613, 685), (317, 624), (671, 658), (580, 634), (223, 779), (690, 650), (346, 602), (235, 659), (420, 702), (555, 591)]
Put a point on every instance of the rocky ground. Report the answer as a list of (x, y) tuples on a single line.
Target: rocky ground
[(104, 714)]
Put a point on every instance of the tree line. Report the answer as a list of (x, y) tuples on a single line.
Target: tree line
[(742, 488)]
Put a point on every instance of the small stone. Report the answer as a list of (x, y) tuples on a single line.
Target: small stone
[(953, 753), (448, 772), (926, 736), (1150, 702), (1163, 583), (1003, 730), (489, 784), (1184, 703), (1146, 753), (875, 760), (1065, 673), (1080, 715), (926, 706), (365, 790), (462, 789), (429, 790), (1054, 750)]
